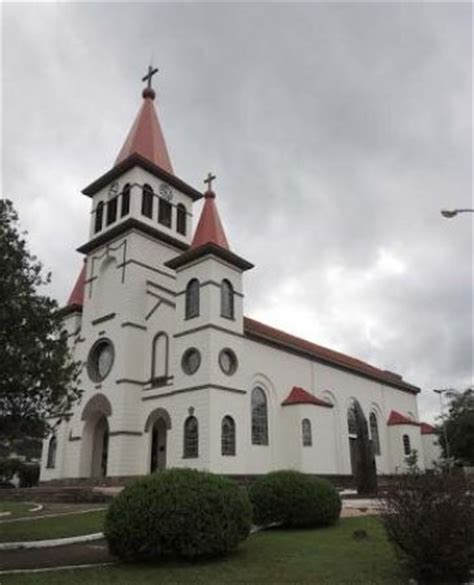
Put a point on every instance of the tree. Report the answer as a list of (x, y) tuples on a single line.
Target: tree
[(459, 427), (39, 380)]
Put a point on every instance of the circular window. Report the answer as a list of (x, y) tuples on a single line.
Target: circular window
[(191, 361), (101, 360), (228, 361)]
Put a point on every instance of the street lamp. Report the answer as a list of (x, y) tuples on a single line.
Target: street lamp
[(453, 212), (449, 392)]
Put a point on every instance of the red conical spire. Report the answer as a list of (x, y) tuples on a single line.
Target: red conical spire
[(209, 229), (145, 137), (77, 294)]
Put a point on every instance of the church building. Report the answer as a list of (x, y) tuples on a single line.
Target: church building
[(174, 373)]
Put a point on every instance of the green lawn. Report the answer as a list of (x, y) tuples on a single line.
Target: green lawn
[(56, 527), (16, 508), (312, 557)]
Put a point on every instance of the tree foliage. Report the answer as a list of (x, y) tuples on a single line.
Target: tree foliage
[(365, 467), (459, 427), (39, 380)]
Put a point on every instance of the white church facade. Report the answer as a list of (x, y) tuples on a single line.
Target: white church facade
[(175, 375)]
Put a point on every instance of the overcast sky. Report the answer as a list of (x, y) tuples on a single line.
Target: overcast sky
[(337, 132)]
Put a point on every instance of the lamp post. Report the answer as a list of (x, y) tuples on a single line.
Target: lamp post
[(453, 212), (442, 391)]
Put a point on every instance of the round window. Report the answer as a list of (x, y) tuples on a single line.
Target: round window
[(228, 361), (101, 360), (191, 361)]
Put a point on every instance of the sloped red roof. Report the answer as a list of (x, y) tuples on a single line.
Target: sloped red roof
[(209, 228), (263, 332), (146, 137), (427, 429), (77, 294), (396, 418), (302, 396)]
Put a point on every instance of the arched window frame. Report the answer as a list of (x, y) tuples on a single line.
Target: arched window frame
[(406, 444), (192, 299), (227, 299), (374, 433), (52, 450), (259, 416), (181, 219), (147, 201), (99, 217), (111, 211), (306, 433), (191, 438), (351, 421), (162, 379), (228, 436), (165, 212), (125, 203)]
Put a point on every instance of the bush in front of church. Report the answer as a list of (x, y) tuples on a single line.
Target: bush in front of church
[(294, 500), (178, 513)]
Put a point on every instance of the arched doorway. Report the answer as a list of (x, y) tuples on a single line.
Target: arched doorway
[(158, 446), (100, 448), (95, 437), (157, 425)]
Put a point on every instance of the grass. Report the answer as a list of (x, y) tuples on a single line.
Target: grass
[(55, 527), (16, 509), (328, 556)]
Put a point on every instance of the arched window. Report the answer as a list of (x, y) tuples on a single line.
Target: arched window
[(227, 299), (165, 210), (99, 216), (159, 359), (111, 210), (52, 448), (351, 420), (228, 436), (147, 201), (374, 433), (192, 299), (125, 208), (259, 417), (306, 432), (406, 444), (191, 438), (181, 219)]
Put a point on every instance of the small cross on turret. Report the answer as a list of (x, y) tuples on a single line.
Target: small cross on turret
[(208, 181), (149, 92)]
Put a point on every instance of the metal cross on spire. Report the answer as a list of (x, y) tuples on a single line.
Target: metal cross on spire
[(149, 75), (208, 181)]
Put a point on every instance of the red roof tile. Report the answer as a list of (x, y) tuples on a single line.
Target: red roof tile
[(210, 229), (146, 137), (427, 429), (264, 332), (302, 396), (77, 294), (396, 418)]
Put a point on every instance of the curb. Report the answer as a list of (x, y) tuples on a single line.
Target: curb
[(52, 542)]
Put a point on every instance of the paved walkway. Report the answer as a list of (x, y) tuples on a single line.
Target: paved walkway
[(72, 554)]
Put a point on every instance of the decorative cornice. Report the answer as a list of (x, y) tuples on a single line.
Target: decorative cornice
[(140, 161), (208, 249), (208, 326), (134, 325), (125, 226), (195, 389)]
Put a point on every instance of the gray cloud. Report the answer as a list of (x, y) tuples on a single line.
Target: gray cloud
[(337, 132)]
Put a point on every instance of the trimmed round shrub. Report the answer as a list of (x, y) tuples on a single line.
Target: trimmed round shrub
[(180, 513), (294, 500)]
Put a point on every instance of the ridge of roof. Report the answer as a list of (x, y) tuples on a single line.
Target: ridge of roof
[(396, 418), (301, 396), (283, 339)]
